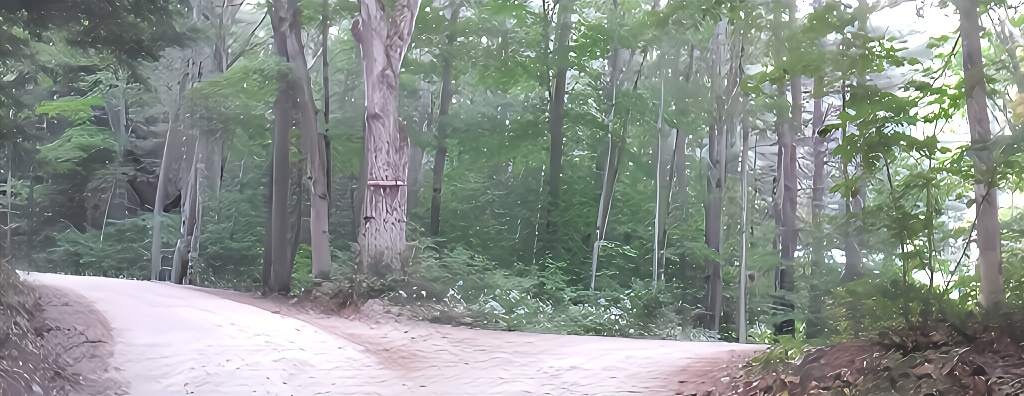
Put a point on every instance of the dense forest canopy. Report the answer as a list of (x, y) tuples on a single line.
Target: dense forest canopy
[(731, 170)]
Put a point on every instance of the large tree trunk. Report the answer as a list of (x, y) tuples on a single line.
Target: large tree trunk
[(447, 92), (208, 154), (986, 190), (556, 112), (280, 265), (289, 26), (176, 154), (383, 39)]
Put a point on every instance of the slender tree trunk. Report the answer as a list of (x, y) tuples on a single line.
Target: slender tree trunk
[(383, 39), (556, 110), (852, 269), (611, 166), (447, 93), (8, 248), (115, 106), (818, 178), (663, 186), (787, 147), (713, 229), (680, 162), (816, 302), (986, 189), (854, 204), (741, 310)]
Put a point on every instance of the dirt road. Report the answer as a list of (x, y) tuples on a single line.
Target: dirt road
[(176, 340)]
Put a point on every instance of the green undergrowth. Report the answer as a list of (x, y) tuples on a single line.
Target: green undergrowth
[(463, 289)]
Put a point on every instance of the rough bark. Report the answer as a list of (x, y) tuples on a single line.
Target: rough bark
[(383, 39), (447, 93), (986, 190)]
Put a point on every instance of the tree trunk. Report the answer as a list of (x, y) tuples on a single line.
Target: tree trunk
[(114, 105), (288, 41), (713, 229), (266, 287), (852, 269), (611, 166), (663, 187), (383, 39), (741, 310), (787, 147), (986, 189), (556, 112), (174, 152), (447, 93), (726, 59), (415, 176), (189, 216), (816, 300), (8, 248)]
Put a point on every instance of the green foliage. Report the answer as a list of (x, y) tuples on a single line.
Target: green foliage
[(81, 147), (465, 289), (78, 110), (119, 250)]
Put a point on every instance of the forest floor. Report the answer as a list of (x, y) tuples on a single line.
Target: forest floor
[(172, 339)]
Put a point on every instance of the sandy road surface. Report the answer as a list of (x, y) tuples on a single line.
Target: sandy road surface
[(176, 340)]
